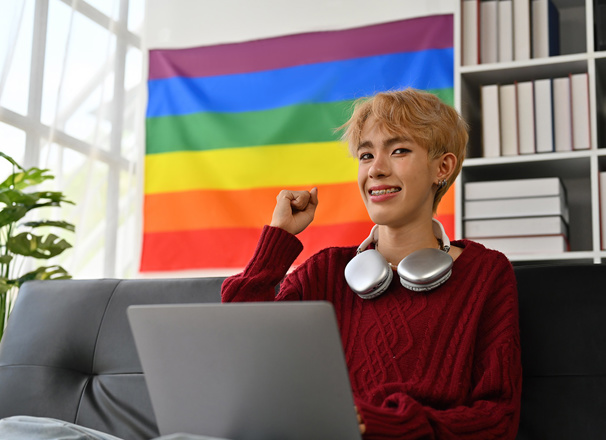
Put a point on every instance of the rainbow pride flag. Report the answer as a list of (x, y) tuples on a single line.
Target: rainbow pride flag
[(229, 126)]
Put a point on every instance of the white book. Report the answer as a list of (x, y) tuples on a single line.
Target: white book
[(602, 179), (543, 115), (579, 90), (545, 29), (562, 114), (509, 208), (505, 40), (525, 105), (491, 137), (540, 244), (515, 227), (514, 188), (488, 31), (509, 120), (521, 30), (470, 32)]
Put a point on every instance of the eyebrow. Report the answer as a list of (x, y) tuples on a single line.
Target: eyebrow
[(387, 143)]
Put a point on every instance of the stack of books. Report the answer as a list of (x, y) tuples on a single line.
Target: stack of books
[(539, 116), (509, 30), (523, 216)]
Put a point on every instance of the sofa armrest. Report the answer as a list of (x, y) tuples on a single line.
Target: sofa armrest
[(68, 352)]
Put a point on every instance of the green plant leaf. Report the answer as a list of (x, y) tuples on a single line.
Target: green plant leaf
[(25, 178), (12, 214), (6, 285), (14, 196), (54, 198), (5, 259), (30, 245), (44, 273), (11, 160), (56, 224)]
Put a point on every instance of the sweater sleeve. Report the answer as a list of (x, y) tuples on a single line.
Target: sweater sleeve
[(493, 406), (275, 253)]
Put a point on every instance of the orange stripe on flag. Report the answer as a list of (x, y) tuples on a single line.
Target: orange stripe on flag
[(447, 204), (233, 247), (446, 212), (249, 208)]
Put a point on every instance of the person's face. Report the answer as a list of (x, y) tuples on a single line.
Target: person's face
[(395, 176)]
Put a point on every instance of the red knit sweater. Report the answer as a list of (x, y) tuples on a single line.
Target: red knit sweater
[(443, 364)]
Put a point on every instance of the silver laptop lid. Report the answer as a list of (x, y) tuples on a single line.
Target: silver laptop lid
[(246, 371)]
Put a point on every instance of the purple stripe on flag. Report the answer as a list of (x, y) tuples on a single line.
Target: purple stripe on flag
[(433, 32)]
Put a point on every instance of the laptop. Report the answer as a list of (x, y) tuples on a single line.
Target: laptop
[(246, 371)]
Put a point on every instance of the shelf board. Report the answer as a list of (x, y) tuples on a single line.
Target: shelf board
[(525, 158), (564, 256), (533, 62), (536, 68)]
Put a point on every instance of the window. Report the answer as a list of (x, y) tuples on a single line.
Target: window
[(71, 94)]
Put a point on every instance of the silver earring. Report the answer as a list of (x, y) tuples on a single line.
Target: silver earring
[(442, 184)]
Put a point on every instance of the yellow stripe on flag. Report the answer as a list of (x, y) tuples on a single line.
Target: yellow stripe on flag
[(250, 167)]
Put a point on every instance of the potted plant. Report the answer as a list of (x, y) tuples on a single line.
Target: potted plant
[(20, 239)]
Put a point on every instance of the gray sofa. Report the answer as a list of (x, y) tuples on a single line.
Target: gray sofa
[(68, 352)]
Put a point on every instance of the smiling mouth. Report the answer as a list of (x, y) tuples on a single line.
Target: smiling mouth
[(381, 192)]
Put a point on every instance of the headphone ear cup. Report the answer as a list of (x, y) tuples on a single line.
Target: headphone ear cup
[(425, 269), (368, 274)]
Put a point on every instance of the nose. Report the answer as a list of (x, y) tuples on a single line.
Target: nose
[(380, 166)]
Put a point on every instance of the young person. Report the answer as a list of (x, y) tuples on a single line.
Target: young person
[(438, 363)]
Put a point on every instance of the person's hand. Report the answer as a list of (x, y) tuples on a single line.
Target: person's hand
[(294, 210), (360, 421)]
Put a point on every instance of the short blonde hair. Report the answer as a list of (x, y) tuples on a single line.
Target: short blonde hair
[(432, 124)]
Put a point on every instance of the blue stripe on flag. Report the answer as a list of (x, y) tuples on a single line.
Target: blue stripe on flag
[(313, 83)]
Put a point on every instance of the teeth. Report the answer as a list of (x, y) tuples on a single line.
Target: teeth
[(384, 191)]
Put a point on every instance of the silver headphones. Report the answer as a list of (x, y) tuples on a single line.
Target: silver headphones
[(369, 274)]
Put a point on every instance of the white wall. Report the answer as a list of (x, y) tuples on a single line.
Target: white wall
[(187, 23)]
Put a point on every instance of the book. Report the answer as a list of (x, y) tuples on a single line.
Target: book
[(602, 191), (539, 244), (470, 32), (521, 30), (525, 107), (491, 137), (488, 31), (602, 198), (599, 18), (505, 31), (508, 120), (562, 114), (519, 207), (545, 29), (511, 227), (579, 93), (514, 188), (543, 115)]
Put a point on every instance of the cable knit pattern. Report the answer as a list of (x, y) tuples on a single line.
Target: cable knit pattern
[(444, 364)]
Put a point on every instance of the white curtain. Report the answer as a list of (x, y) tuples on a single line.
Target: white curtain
[(72, 101)]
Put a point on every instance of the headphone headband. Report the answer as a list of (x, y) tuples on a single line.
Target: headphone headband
[(438, 232)]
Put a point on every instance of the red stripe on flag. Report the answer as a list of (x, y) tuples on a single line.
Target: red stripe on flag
[(233, 248)]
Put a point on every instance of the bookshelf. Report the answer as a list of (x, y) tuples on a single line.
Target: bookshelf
[(578, 169)]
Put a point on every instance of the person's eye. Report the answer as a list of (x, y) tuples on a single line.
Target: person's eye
[(365, 156), (401, 151)]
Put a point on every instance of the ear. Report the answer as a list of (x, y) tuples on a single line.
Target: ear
[(445, 166)]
